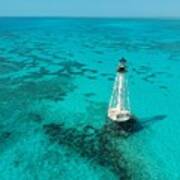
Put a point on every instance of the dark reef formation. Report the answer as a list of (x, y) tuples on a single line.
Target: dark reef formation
[(94, 144), (99, 145)]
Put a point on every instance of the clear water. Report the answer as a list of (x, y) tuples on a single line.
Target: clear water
[(56, 78)]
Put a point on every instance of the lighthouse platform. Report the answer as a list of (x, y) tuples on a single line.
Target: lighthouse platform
[(115, 114)]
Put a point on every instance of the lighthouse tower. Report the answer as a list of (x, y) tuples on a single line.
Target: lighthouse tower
[(119, 108)]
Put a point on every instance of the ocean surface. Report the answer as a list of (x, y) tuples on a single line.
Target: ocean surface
[(56, 79)]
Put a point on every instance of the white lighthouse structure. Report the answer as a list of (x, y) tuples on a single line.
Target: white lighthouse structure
[(119, 107)]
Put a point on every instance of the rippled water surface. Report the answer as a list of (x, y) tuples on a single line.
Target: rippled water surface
[(56, 78)]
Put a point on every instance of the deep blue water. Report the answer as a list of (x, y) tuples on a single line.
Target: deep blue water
[(56, 78)]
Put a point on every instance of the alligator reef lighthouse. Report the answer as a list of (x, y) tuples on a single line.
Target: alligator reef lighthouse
[(119, 106)]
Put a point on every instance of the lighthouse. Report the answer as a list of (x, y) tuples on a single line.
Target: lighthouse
[(119, 106)]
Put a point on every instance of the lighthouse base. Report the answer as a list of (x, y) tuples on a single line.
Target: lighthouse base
[(125, 127)]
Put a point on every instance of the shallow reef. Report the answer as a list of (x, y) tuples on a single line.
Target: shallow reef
[(90, 143), (56, 78)]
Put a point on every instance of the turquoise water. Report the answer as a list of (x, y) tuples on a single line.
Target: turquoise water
[(56, 78)]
